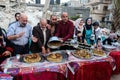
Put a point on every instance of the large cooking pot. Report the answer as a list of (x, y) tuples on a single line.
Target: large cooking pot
[(54, 42)]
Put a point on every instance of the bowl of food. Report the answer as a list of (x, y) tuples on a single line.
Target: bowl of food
[(54, 43)]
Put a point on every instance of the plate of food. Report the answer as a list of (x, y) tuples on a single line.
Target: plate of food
[(98, 52), (57, 56), (32, 58), (82, 54)]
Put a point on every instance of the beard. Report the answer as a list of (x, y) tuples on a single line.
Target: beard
[(22, 25)]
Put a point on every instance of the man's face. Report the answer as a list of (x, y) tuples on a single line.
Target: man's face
[(53, 19), (23, 21), (43, 23), (64, 17), (17, 17), (95, 27)]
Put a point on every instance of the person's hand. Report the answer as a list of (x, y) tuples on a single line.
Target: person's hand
[(85, 42), (48, 26), (20, 34), (95, 45), (48, 50), (6, 53), (34, 39), (61, 40), (79, 34), (43, 50)]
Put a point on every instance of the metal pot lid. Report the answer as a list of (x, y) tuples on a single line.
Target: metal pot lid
[(54, 38)]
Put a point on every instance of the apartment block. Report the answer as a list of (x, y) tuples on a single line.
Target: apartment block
[(98, 8)]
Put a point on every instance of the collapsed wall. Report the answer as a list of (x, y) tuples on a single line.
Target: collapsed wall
[(8, 10)]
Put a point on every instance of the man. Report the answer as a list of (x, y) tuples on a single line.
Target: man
[(97, 30), (5, 47), (19, 34), (53, 24), (65, 28), (41, 35), (111, 38), (97, 33), (17, 17)]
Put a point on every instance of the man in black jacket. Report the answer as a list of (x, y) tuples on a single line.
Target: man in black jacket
[(42, 34)]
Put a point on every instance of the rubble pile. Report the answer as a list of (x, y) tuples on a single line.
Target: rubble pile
[(7, 13)]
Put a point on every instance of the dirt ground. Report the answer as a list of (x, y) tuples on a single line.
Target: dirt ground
[(115, 77)]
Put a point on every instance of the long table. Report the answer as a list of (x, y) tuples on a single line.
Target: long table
[(49, 70)]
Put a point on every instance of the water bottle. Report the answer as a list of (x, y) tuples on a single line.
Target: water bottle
[(75, 41), (75, 38)]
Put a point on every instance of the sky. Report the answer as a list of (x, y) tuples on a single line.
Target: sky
[(62, 1)]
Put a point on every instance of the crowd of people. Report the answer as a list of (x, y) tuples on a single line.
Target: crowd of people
[(20, 32)]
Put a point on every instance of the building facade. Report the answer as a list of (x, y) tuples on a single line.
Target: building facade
[(98, 8), (38, 1), (84, 1), (58, 2), (52, 2), (73, 3), (72, 11)]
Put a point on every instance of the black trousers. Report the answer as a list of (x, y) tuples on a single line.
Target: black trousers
[(108, 41), (18, 49)]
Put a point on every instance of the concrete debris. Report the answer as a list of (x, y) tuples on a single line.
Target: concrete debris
[(7, 15)]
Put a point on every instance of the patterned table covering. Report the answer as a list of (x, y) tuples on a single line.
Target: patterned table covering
[(14, 66), (4, 76), (75, 63)]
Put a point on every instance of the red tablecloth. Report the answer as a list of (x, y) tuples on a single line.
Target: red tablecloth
[(116, 56), (41, 76), (100, 69), (94, 71)]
